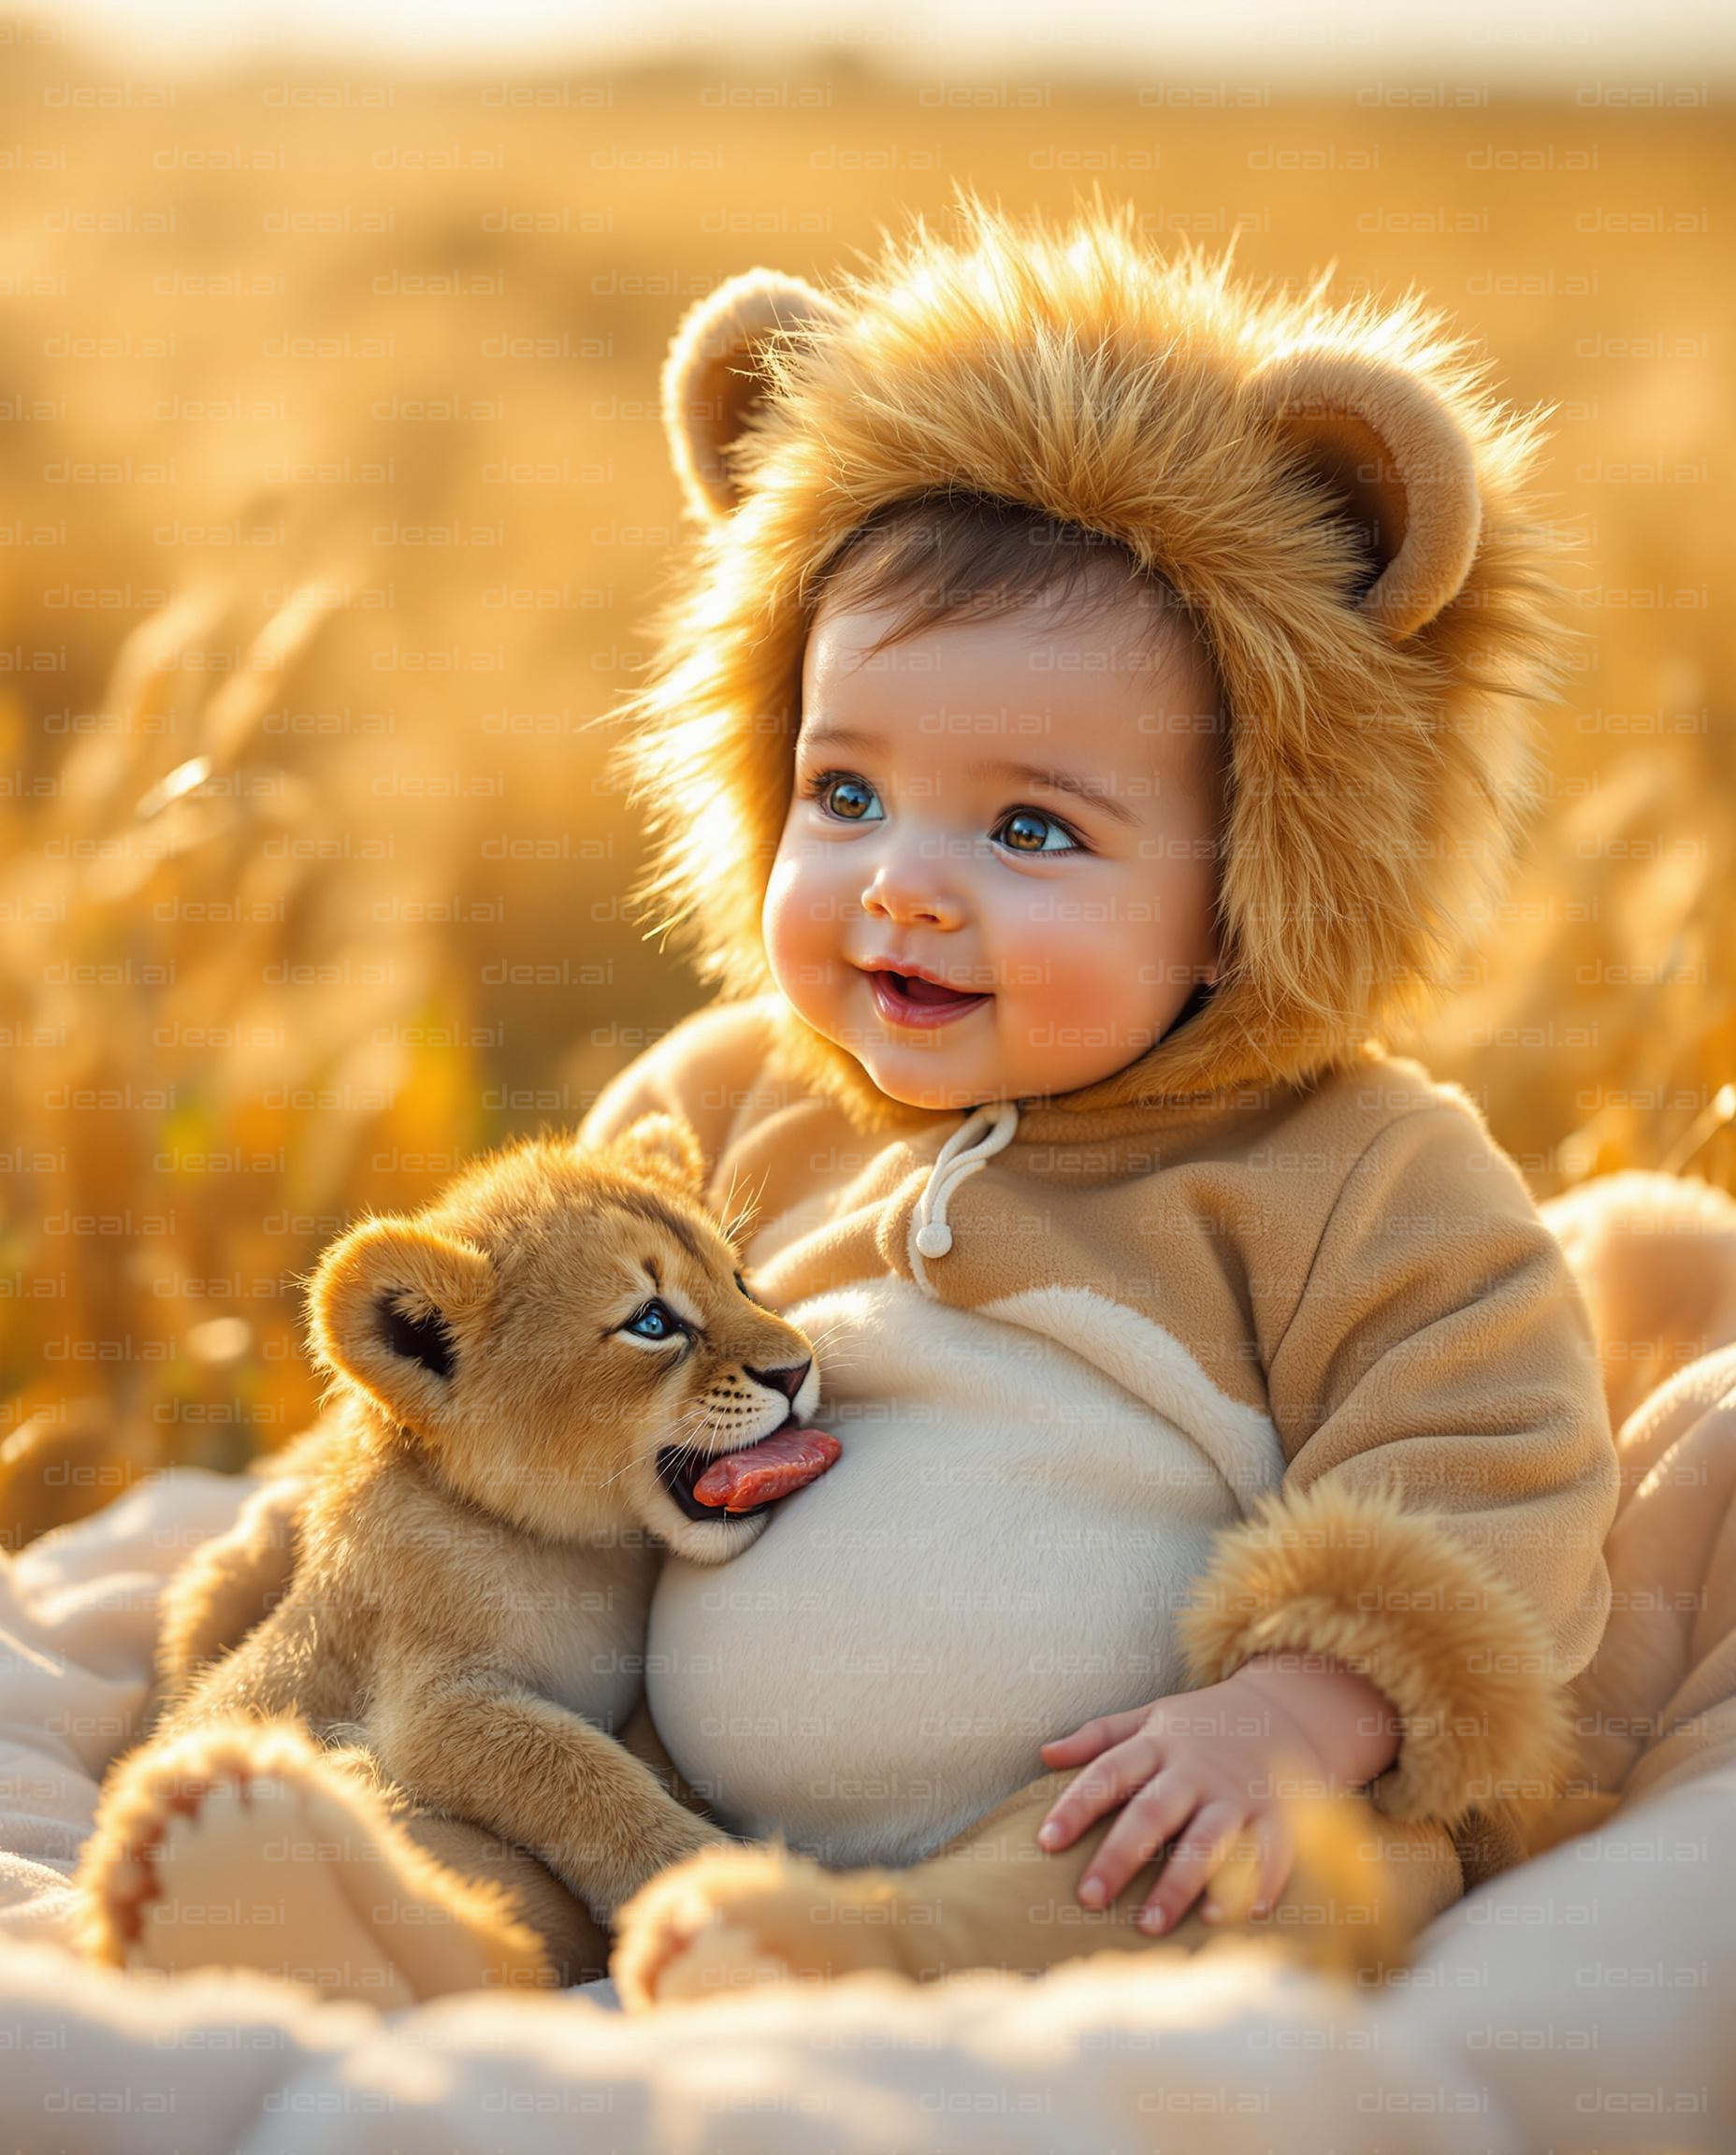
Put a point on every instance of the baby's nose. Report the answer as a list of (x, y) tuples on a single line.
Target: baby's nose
[(910, 899)]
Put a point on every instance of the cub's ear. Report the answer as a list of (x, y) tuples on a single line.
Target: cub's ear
[(667, 1148), (391, 1306), (1401, 463), (715, 375)]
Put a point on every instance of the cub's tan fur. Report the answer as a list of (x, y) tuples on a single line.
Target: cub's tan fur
[(449, 1575), (234, 1581)]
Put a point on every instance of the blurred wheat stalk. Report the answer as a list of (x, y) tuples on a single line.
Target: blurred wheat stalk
[(216, 1057), (1605, 984)]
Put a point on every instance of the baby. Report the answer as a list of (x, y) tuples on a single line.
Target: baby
[(1099, 694)]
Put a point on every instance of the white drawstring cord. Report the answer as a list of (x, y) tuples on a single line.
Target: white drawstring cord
[(959, 1159)]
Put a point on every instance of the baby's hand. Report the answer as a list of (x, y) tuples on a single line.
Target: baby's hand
[(1215, 1761)]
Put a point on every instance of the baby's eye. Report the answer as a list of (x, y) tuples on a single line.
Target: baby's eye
[(1029, 832), (851, 799), (656, 1320), (747, 1289)]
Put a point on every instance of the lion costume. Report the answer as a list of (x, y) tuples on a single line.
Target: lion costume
[(1259, 1343)]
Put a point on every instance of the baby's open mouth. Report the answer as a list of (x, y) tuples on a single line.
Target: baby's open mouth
[(904, 1000), (706, 1484)]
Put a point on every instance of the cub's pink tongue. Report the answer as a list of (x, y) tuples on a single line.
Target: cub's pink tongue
[(772, 1467)]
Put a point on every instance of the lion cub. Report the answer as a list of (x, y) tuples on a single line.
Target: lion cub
[(539, 1383)]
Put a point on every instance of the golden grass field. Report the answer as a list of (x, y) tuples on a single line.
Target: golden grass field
[(335, 502)]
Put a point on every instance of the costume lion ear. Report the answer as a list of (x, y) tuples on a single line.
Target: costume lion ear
[(715, 375), (1386, 444)]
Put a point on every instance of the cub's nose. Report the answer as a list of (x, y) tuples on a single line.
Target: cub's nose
[(788, 1382)]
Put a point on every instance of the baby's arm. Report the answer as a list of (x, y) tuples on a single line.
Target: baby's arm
[(1449, 1479)]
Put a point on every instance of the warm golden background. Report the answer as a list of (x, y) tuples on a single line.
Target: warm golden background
[(335, 503)]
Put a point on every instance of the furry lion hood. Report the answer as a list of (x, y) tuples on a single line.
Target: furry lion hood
[(1333, 490)]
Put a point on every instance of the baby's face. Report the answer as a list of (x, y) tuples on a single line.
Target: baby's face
[(1024, 807)]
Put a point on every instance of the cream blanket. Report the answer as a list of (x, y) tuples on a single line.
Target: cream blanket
[(1583, 2001)]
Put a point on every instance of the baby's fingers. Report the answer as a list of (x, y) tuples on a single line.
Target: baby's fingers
[(1087, 1741), (1251, 1878), (1249, 1886), (1110, 1780), (1155, 1815), (1211, 1841)]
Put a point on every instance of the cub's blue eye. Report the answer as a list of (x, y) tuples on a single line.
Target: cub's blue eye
[(656, 1320)]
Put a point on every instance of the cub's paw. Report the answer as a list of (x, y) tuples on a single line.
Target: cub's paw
[(150, 1818), (729, 1920), (245, 1845)]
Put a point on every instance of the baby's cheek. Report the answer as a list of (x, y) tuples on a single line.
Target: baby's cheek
[(801, 927), (1079, 972)]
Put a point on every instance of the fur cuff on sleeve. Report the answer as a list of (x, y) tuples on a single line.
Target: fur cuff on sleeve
[(1395, 1594)]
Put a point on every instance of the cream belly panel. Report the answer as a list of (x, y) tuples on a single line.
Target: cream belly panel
[(1240, 1441), (996, 1557)]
